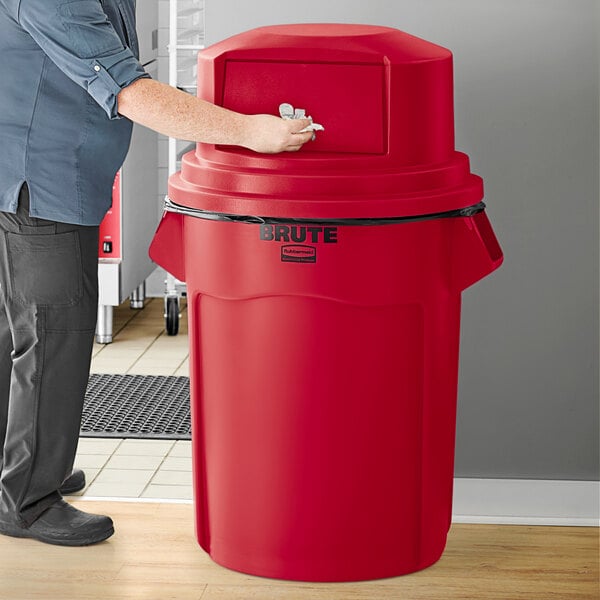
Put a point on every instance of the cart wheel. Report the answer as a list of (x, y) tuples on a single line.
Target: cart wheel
[(172, 315)]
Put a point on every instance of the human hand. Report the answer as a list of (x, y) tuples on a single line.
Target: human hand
[(269, 134)]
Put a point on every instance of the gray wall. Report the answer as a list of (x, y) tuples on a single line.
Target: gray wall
[(526, 90)]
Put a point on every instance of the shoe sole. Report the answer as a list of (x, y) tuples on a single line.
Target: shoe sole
[(19, 532)]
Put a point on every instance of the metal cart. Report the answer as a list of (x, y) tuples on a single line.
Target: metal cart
[(186, 39)]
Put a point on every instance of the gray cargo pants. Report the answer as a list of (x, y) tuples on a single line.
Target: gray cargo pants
[(48, 308)]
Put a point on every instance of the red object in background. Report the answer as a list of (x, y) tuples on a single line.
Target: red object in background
[(109, 240), (324, 305)]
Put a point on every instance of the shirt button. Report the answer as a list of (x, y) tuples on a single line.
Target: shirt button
[(96, 68)]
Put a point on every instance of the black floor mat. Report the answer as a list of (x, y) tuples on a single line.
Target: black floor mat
[(137, 406)]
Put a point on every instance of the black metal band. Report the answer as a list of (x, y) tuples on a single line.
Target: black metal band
[(170, 206)]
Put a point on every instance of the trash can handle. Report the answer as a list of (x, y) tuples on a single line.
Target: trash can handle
[(476, 251), (166, 249)]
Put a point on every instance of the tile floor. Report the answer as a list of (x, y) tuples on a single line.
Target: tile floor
[(139, 469)]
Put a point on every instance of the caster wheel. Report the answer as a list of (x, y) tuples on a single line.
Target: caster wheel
[(172, 315)]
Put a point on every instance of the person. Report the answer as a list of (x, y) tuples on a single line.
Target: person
[(71, 86)]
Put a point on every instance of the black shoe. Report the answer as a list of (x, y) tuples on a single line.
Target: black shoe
[(63, 525), (75, 482)]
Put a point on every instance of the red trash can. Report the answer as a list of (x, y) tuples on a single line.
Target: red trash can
[(324, 295)]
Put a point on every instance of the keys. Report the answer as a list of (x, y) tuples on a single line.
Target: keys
[(287, 111)]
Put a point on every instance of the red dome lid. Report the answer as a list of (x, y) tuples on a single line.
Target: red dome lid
[(385, 99)]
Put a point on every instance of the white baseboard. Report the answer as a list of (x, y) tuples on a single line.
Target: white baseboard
[(131, 500), (526, 502), (501, 501)]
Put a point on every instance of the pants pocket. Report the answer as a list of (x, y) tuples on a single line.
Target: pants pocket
[(45, 269)]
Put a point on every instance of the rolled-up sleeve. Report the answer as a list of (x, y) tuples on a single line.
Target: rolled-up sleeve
[(78, 37)]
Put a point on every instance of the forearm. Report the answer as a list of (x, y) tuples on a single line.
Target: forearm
[(180, 115)]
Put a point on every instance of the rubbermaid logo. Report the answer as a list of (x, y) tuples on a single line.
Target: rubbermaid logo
[(298, 253)]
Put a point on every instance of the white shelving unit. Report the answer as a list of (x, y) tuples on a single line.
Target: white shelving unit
[(186, 39)]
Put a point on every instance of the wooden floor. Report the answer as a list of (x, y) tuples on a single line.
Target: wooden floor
[(154, 556)]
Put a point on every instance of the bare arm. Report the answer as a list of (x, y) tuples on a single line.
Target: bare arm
[(177, 114)]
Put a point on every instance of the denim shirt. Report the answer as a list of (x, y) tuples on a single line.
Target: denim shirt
[(62, 65)]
